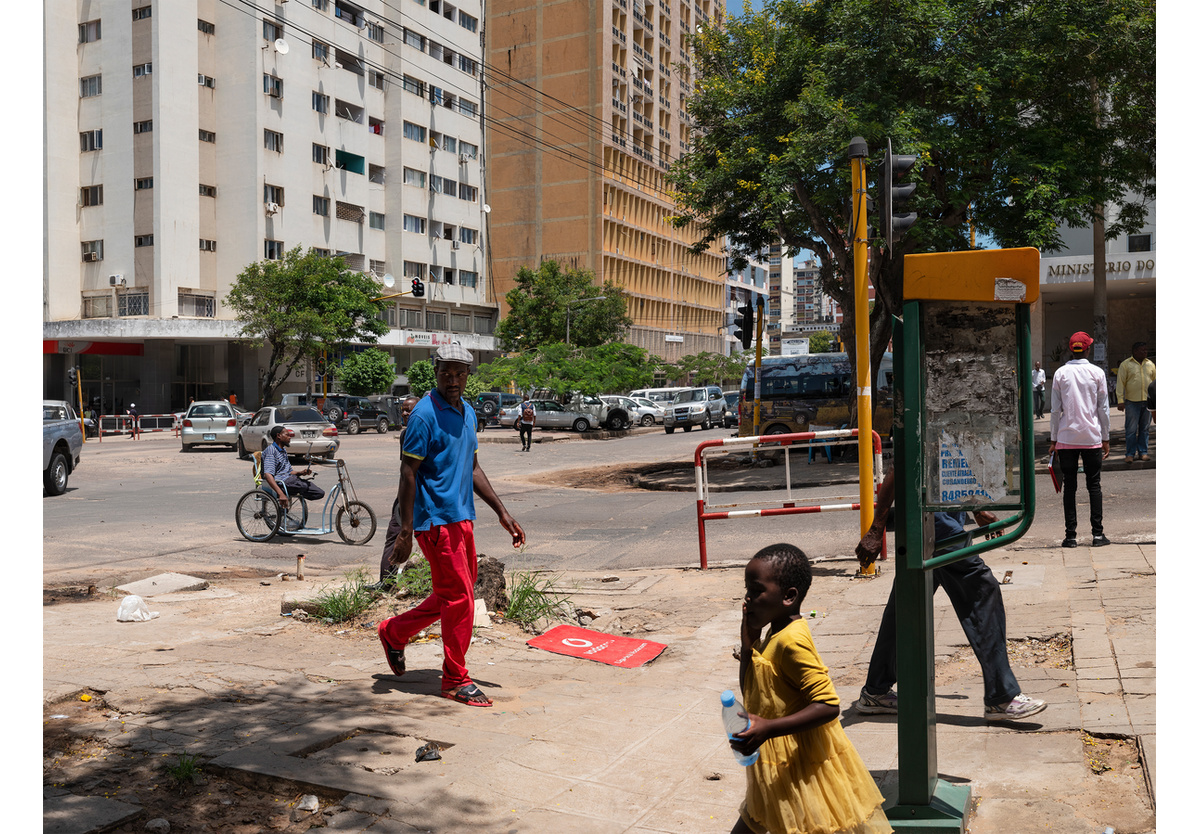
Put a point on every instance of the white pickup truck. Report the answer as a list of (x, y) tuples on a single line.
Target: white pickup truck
[(62, 441)]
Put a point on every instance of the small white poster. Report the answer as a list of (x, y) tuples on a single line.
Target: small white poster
[(970, 468)]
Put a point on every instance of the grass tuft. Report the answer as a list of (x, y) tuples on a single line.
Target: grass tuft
[(185, 772), (345, 603), (413, 581), (533, 595)]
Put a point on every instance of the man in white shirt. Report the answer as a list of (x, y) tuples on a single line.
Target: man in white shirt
[(1079, 432), (1039, 390)]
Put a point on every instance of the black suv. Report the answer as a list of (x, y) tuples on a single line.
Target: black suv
[(354, 413), (489, 404)]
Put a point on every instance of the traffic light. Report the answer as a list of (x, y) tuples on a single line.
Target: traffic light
[(71, 377), (745, 328), (891, 195), (418, 288)]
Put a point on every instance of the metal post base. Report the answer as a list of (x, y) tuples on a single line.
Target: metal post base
[(946, 811)]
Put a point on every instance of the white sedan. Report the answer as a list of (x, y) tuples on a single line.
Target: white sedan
[(551, 415), (644, 413)]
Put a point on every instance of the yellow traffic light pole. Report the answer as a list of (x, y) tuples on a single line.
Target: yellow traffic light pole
[(862, 334)]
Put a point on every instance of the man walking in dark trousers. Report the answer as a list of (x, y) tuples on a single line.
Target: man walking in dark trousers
[(388, 569)]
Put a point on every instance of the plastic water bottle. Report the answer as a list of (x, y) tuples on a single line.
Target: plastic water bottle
[(734, 723)]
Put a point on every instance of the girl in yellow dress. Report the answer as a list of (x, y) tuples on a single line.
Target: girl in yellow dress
[(808, 778)]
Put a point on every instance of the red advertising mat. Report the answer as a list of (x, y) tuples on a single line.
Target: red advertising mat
[(613, 649)]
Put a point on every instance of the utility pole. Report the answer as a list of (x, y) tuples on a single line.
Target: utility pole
[(862, 331)]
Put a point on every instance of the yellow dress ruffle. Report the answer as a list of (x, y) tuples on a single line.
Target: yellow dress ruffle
[(811, 782)]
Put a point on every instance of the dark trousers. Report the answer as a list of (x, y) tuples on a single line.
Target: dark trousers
[(1069, 461), (306, 489), (526, 430), (386, 568), (975, 594), (1039, 402)]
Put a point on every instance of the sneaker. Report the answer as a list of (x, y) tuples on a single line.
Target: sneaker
[(869, 704), (1100, 540), (1019, 707), (1070, 543)]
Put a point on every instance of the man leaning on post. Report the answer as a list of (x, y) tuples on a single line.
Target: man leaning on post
[(439, 475)]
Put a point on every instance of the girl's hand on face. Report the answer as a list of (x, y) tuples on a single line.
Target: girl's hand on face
[(751, 738), (748, 636)]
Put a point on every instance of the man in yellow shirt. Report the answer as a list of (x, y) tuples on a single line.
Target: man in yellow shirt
[(1133, 390)]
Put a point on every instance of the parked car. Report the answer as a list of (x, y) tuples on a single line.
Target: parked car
[(345, 411), (629, 412), (62, 443), (655, 408), (489, 404), (314, 434), (733, 401), (242, 415), (703, 407), (552, 415), (209, 423)]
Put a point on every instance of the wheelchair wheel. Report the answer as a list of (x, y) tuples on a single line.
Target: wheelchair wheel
[(257, 515), (296, 517), (355, 522)]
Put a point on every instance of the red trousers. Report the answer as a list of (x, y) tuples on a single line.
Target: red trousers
[(450, 550)]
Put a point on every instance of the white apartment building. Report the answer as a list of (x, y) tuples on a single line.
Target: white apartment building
[(187, 139), (782, 304)]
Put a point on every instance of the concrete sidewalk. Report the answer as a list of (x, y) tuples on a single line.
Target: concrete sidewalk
[(575, 747)]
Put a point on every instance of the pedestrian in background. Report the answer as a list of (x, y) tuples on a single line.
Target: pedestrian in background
[(525, 424), (1133, 390), (1079, 432), (808, 777), (439, 475), (388, 570), (133, 421), (1039, 390)]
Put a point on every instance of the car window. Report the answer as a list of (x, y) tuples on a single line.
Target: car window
[(208, 411), (54, 412), (261, 418), (299, 414)]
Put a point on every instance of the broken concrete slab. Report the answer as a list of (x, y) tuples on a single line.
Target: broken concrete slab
[(70, 814), (164, 583)]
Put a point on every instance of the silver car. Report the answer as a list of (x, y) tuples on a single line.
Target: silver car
[(630, 412), (551, 415), (654, 408), (314, 434), (209, 423)]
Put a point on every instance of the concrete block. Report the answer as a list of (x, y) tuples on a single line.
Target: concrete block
[(69, 814), (164, 583)]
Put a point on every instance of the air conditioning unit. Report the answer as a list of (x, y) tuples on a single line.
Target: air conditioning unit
[(454, 244), (275, 94), (272, 208), (91, 256), (463, 159), (116, 280)]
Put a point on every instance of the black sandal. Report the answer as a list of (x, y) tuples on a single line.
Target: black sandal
[(395, 658), (471, 695)]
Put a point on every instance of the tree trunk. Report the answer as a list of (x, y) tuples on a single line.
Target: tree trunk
[(1099, 292)]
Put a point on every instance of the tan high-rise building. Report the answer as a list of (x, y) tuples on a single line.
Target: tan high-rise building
[(585, 106)]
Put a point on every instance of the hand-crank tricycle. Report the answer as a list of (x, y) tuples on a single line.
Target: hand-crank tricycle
[(260, 516)]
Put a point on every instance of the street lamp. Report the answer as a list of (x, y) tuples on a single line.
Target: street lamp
[(578, 301)]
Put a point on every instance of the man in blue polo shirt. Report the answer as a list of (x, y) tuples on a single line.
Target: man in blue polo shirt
[(440, 473)]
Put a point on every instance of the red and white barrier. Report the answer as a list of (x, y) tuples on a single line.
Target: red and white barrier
[(791, 505), (123, 424)]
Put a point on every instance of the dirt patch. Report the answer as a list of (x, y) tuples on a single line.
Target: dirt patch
[(1115, 756), (80, 763), (617, 478), (1054, 652)]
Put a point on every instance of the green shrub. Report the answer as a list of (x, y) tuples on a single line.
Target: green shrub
[(348, 601), (533, 595), (415, 581)]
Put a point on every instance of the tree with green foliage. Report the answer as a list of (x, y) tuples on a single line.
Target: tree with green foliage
[(821, 342), (539, 303), (367, 372), (707, 368), (1022, 115), (302, 304), (603, 369)]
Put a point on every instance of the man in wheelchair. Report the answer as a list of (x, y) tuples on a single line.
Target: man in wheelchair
[(277, 470)]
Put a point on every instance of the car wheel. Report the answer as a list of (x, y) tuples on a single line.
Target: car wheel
[(54, 479), (688, 427), (382, 425), (183, 447), (352, 426), (334, 415), (707, 424), (648, 420), (670, 429), (490, 408), (580, 425), (480, 424), (241, 450), (777, 429)]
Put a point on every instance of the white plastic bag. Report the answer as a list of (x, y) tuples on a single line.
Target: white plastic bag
[(133, 610)]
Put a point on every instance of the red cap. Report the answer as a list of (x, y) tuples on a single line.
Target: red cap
[(1080, 342)]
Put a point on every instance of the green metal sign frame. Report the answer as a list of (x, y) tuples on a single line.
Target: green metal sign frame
[(926, 803)]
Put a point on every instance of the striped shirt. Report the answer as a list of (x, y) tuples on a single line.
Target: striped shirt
[(275, 462)]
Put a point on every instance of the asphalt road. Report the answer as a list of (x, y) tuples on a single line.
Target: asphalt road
[(136, 508)]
